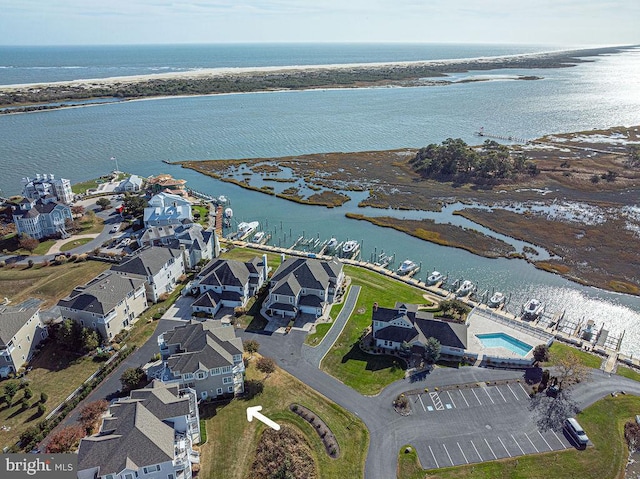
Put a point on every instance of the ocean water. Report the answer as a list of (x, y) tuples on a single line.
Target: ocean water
[(77, 143), (46, 64)]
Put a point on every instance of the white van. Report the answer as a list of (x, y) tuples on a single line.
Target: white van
[(576, 432)]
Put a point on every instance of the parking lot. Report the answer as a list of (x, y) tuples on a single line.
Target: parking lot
[(475, 424)]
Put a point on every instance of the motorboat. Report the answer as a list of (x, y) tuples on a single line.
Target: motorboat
[(228, 213), (332, 244), (407, 267), (496, 300), (350, 247), (434, 278), (258, 237), (465, 289), (533, 309), (222, 199), (245, 229)]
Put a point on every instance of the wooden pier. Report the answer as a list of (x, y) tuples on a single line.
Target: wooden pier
[(493, 136)]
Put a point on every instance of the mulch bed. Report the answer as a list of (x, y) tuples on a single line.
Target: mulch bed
[(326, 436)]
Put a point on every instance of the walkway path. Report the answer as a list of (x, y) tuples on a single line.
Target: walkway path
[(55, 248), (314, 355)]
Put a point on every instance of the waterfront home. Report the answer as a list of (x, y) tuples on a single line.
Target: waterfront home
[(167, 209), (47, 186), (148, 435), (228, 283), (160, 268), (21, 330), (303, 285), (41, 218), (166, 183), (205, 356), (406, 325), (132, 184), (108, 303), (198, 244)]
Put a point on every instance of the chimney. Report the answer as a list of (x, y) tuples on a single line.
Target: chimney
[(265, 268)]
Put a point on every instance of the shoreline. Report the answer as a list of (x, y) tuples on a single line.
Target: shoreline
[(22, 98)]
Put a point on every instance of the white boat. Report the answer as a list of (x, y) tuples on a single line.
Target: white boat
[(407, 267), (258, 237), (245, 229), (533, 309), (332, 244), (222, 199), (435, 277), (350, 247), (228, 213), (496, 300), (465, 289)]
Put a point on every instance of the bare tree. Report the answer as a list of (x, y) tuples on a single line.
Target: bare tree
[(569, 370)]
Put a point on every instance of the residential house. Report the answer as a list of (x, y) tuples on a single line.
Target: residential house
[(108, 303), (166, 183), (47, 186), (303, 285), (197, 243), (167, 209), (148, 435), (228, 283), (205, 356), (21, 330), (405, 326), (41, 218), (131, 184), (160, 268)]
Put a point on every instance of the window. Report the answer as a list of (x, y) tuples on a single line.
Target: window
[(230, 389), (149, 469), (219, 391), (227, 380), (226, 369), (169, 476), (187, 376), (214, 371), (201, 375), (128, 476)]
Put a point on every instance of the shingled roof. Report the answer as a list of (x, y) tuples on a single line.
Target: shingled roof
[(102, 293), (297, 273), (147, 261), (227, 272), (12, 321)]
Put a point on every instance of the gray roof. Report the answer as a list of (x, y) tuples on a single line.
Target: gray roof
[(102, 293), (228, 272), (147, 261), (130, 439), (424, 326), (209, 299), (39, 207), (163, 401), (202, 345), (297, 273), (12, 321)]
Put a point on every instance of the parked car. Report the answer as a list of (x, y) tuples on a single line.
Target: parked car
[(574, 429), (115, 228)]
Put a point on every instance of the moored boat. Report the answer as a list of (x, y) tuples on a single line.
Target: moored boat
[(258, 237), (245, 229), (465, 289), (228, 213), (532, 310), (434, 278), (496, 300), (350, 247), (407, 267), (332, 244)]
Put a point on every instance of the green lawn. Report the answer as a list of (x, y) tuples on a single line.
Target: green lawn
[(628, 373), (54, 372), (231, 441), (74, 244), (603, 422), (367, 373), (247, 254), (203, 211), (588, 359), (323, 328), (49, 283)]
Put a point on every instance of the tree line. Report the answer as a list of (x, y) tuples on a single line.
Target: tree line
[(456, 161)]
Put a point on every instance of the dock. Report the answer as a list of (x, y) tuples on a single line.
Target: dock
[(494, 136)]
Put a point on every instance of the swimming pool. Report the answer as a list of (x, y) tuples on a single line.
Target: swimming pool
[(503, 340)]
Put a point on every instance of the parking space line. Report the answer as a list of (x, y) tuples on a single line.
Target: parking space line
[(524, 390), (545, 441), (434, 458), (419, 397), (500, 392), (476, 449), (561, 443), (465, 399), (451, 399), (486, 391), (445, 450), (534, 446), (474, 393), (514, 394), (505, 447), (517, 444), (463, 454), (494, 454)]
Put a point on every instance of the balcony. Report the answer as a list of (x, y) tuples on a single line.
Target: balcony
[(238, 368)]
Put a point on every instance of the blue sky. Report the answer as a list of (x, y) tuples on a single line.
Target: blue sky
[(557, 22)]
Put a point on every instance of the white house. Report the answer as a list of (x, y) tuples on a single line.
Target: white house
[(303, 285), (167, 209), (131, 184), (160, 268), (41, 218), (198, 244), (148, 435), (21, 330), (47, 186)]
